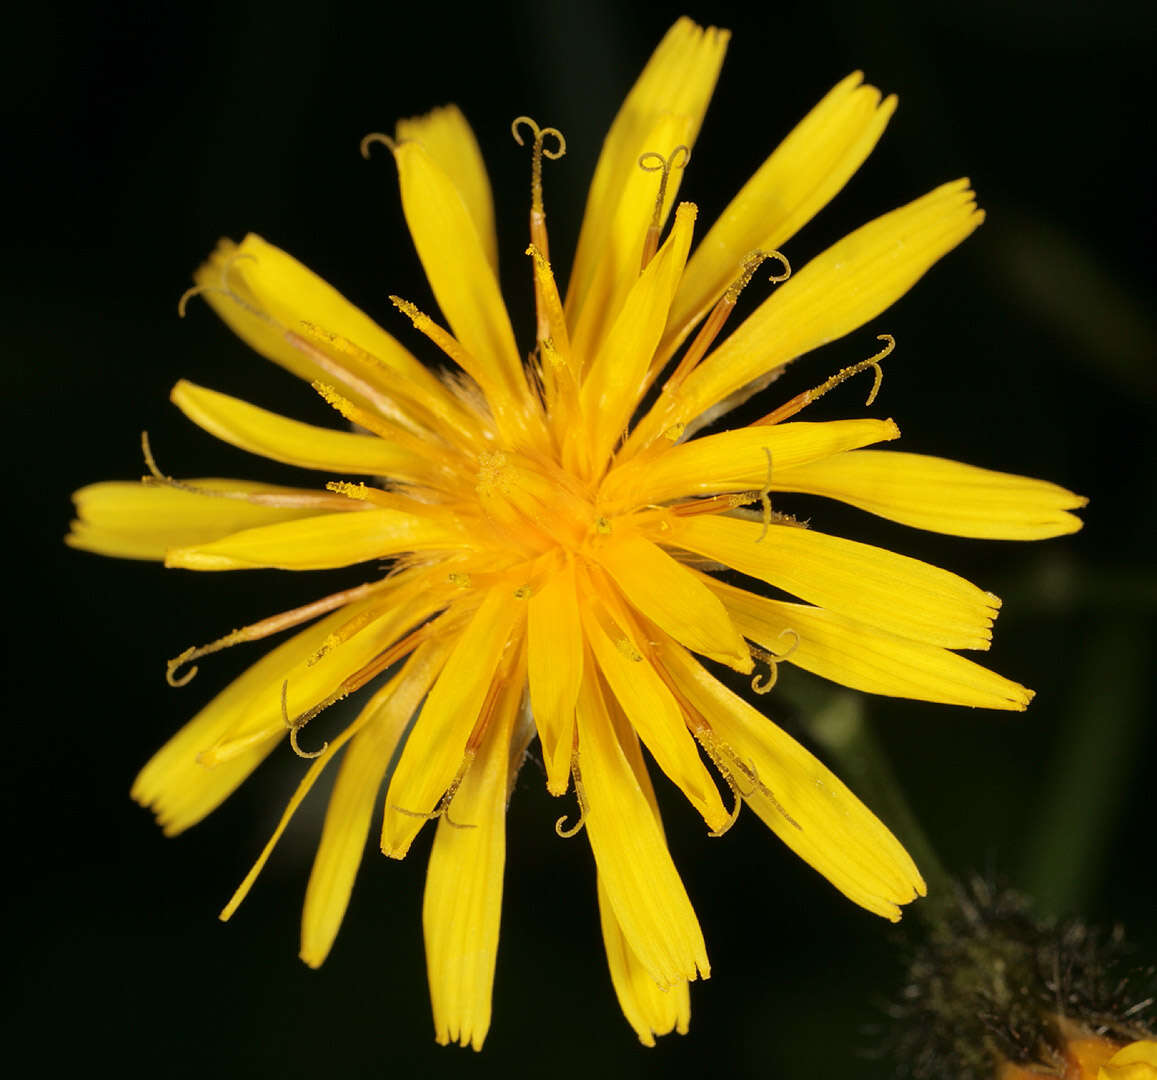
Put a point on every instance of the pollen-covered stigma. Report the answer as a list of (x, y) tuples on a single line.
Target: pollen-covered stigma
[(556, 531)]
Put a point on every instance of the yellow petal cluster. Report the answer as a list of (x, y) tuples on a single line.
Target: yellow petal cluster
[(542, 540)]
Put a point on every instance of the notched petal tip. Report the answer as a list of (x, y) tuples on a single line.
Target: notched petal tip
[(557, 786)]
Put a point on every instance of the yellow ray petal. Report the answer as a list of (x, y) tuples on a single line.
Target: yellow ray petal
[(376, 627), (347, 818), (891, 592), (674, 598), (635, 867), (1137, 1061), (621, 256), (857, 655), (838, 291), (829, 828), (678, 80), (272, 282), (462, 905), (733, 460), (614, 382), (262, 432), (317, 543), (141, 521), (174, 784), (463, 282), (649, 1009), (555, 667), (803, 174), (316, 768), (944, 496), (436, 748), (448, 138), (656, 716)]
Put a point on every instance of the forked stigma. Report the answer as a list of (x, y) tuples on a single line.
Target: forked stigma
[(653, 161), (548, 318), (801, 401), (721, 312)]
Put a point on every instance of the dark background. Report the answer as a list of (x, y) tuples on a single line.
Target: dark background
[(138, 134)]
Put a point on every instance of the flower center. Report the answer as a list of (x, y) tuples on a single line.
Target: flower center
[(535, 504)]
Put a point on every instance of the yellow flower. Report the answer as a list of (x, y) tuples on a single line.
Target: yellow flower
[(1086, 1056), (1137, 1061), (554, 531)]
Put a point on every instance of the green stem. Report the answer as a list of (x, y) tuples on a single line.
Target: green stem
[(1095, 758)]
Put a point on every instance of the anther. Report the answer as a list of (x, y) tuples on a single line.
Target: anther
[(746, 273), (350, 628), (442, 338), (721, 312), (326, 647), (801, 401), (551, 322), (362, 492), (651, 161), (346, 362), (381, 427), (377, 137), (713, 504), (390, 394)]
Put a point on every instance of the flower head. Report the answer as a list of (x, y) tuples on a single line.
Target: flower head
[(554, 533), (997, 993)]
